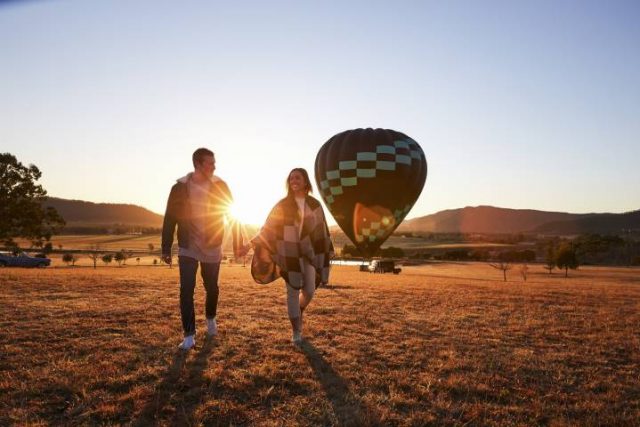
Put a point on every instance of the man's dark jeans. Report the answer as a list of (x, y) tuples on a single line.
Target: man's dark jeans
[(209, 271)]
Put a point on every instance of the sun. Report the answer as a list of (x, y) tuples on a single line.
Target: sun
[(241, 213)]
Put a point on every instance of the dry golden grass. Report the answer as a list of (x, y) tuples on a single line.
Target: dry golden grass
[(107, 242), (112, 243), (443, 344)]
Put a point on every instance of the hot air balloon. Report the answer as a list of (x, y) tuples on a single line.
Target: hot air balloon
[(369, 179)]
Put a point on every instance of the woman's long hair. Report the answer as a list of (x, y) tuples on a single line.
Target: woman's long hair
[(291, 207)]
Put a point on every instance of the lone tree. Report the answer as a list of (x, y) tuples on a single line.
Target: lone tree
[(107, 258), (120, 258), (524, 271), (94, 254), (502, 265), (126, 254), (21, 204), (550, 259), (566, 258), (70, 258)]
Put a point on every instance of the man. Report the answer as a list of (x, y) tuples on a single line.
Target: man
[(198, 204)]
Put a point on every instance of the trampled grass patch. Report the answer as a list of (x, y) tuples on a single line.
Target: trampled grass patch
[(440, 344)]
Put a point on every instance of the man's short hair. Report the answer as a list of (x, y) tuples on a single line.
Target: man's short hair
[(199, 155)]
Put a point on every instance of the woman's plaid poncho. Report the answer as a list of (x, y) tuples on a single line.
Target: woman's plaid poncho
[(279, 250)]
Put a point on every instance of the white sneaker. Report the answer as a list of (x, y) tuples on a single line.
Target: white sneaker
[(297, 338), (187, 343), (212, 327)]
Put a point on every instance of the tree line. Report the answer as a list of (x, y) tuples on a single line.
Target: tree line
[(95, 253)]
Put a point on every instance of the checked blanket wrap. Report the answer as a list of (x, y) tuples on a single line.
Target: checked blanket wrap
[(280, 247)]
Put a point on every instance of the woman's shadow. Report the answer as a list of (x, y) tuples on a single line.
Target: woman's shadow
[(348, 408)]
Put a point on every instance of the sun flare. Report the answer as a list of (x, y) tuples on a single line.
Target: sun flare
[(244, 213)]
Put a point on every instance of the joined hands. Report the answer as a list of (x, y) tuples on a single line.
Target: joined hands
[(243, 250)]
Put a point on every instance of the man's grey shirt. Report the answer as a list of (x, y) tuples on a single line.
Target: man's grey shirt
[(198, 198)]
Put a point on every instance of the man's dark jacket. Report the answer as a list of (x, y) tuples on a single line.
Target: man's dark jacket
[(179, 213)]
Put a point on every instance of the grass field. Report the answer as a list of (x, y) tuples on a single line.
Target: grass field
[(111, 242), (441, 344)]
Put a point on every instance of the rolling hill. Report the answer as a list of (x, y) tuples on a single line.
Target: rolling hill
[(595, 223), (479, 219), (489, 219), (85, 214)]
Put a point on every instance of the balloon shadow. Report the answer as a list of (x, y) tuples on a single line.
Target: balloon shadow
[(348, 408), (169, 387)]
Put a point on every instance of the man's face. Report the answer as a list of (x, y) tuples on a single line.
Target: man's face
[(207, 166)]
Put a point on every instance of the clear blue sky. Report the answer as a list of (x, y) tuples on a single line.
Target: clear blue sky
[(521, 104)]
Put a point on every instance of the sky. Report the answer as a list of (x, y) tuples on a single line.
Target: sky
[(525, 104)]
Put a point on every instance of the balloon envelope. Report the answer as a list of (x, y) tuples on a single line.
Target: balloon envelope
[(369, 179)]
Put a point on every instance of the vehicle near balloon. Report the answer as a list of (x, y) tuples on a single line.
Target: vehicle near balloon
[(384, 266), (369, 180), (8, 259)]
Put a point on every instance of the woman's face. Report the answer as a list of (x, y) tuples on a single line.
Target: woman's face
[(296, 182)]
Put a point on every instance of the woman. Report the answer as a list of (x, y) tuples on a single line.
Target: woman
[(294, 244)]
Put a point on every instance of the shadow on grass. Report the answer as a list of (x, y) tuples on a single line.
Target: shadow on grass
[(191, 393), (348, 408), (183, 389), (337, 289), (332, 287), (162, 392)]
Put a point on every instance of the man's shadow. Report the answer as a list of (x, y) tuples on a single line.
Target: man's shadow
[(169, 386), (347, 407)]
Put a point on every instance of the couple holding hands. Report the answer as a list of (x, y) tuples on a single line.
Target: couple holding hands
[(294, 242)]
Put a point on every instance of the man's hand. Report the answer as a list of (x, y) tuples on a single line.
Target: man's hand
[(166, 259)]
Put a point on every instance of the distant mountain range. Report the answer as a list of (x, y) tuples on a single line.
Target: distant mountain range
[(86, 214), (479, 219), (489, 219)]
